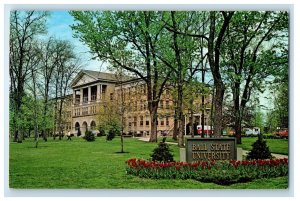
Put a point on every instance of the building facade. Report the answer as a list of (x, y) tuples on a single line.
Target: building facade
[(91, 89)]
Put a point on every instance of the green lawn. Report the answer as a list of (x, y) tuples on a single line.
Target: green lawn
[(278, 146), (97, 165)]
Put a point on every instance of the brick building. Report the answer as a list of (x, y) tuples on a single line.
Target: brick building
[(93, 88)]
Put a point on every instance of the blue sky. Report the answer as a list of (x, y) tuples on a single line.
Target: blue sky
[(59, 26)]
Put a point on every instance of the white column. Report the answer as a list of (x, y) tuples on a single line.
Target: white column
[(81, 96), (101, 92), (74, 96), (89, 94), (98, 92)]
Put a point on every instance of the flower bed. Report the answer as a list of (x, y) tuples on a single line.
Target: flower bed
[(219, 172)]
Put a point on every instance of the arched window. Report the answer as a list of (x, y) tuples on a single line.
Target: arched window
[(77, 126), (93, 125), (84, 127)]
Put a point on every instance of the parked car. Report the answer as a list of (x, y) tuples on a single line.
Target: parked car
[(282, 133), (252, 131)]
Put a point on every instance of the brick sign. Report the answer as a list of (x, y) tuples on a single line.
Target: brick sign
[(210, 149)]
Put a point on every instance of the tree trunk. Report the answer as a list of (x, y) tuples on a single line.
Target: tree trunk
[(214, 47), (212, 119), (237, 112), (181, 130), (238, 128), (218, 109), (180, 117), (175, 127), (153, 126), (191, 122)]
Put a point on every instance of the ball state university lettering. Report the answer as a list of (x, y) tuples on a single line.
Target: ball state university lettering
[(217, 151), (210, 149)]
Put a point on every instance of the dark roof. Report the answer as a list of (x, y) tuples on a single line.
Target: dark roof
[(100, 75), (107, 76)]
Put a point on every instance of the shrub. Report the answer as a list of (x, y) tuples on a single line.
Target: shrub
[(101, 132), (89, 136), (260, 150), (162, 153), (219, 172), (111, 134), (78, 132)]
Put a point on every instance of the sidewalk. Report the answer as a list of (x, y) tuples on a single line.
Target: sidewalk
[(279, 156)]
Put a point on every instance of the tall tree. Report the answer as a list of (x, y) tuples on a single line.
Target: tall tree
[(255, 50), (127, 40), (218, 23), (49, 61), (67, 66), (182, 58), (25, 26)]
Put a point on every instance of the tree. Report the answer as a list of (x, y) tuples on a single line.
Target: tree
[(218, 23), (254, 50), (49, 62), (25, 26), (278, 115), (67, 66), (127, 40), (182, 59), (121, 104)]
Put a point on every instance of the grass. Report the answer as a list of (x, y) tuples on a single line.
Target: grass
[(278, 146), (97, 165)]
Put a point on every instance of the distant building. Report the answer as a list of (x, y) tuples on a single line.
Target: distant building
[(93, 88)]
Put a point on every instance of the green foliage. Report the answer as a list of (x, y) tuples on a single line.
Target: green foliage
[(101, 132), (219, 172), (112, 133), (89, 136), (162, 152), (278, 146), (260, 150), (78, 132)]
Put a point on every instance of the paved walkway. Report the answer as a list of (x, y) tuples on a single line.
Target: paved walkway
[(279, 156)]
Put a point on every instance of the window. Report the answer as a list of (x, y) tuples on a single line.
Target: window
[(162, 123), (134, 121), (167, 121), (93, 110), (141, 120), (135, 106), (85, 111), (85, 99), (141, 105), (77, 112), (161, 104), (167, 105), (103, 92), (111, 96)]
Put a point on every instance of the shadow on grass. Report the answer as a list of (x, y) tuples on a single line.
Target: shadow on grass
[(39, 146), (124, 152)]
